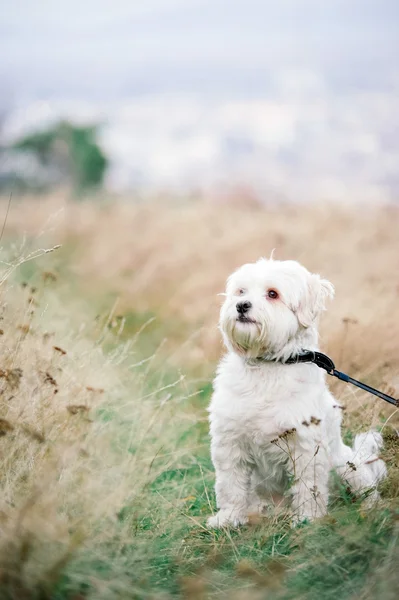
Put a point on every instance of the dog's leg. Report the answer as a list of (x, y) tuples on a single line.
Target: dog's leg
[(267, 493), (309, 469), (233, 475)]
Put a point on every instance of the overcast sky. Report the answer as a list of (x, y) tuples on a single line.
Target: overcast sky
[(98, 49)]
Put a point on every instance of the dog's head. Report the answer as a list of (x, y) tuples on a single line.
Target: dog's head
[(269, 304)]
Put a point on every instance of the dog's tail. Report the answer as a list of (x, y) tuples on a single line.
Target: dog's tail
[(366, 449), (361, 466)]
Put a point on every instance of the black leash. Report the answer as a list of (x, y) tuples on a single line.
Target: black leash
[(325, 362)]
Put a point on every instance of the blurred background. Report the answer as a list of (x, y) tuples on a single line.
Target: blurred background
[(289, 100)]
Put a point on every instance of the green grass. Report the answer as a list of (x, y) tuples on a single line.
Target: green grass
[(347, 554)]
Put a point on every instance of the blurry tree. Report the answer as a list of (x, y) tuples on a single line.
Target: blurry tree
[(67, 154)]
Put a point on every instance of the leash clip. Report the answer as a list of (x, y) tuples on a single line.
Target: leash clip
[(321, 360), (324, 362)]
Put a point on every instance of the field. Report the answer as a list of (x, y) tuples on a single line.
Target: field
[(108, 346)]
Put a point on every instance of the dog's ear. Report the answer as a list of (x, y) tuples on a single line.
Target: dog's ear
[(314, 300)]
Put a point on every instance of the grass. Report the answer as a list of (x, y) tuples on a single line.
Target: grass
[(108, 347)]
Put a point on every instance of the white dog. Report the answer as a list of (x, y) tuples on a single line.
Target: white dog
[(275, 427)]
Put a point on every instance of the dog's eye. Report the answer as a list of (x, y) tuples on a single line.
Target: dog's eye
[(240, 292), (272, 294)]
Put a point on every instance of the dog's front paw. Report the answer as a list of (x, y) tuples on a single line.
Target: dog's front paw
[(227, 518)]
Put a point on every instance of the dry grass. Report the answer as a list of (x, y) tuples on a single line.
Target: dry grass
[(88, 429), (78, 432)]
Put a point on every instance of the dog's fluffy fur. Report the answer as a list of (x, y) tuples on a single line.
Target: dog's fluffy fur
[(275, 427)]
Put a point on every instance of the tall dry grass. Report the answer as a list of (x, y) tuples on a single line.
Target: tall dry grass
[(174, 259), (79, 431)]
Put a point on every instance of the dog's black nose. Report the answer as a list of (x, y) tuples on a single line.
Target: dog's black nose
[(243, 307)]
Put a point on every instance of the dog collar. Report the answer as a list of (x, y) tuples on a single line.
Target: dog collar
[(304, 356)]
